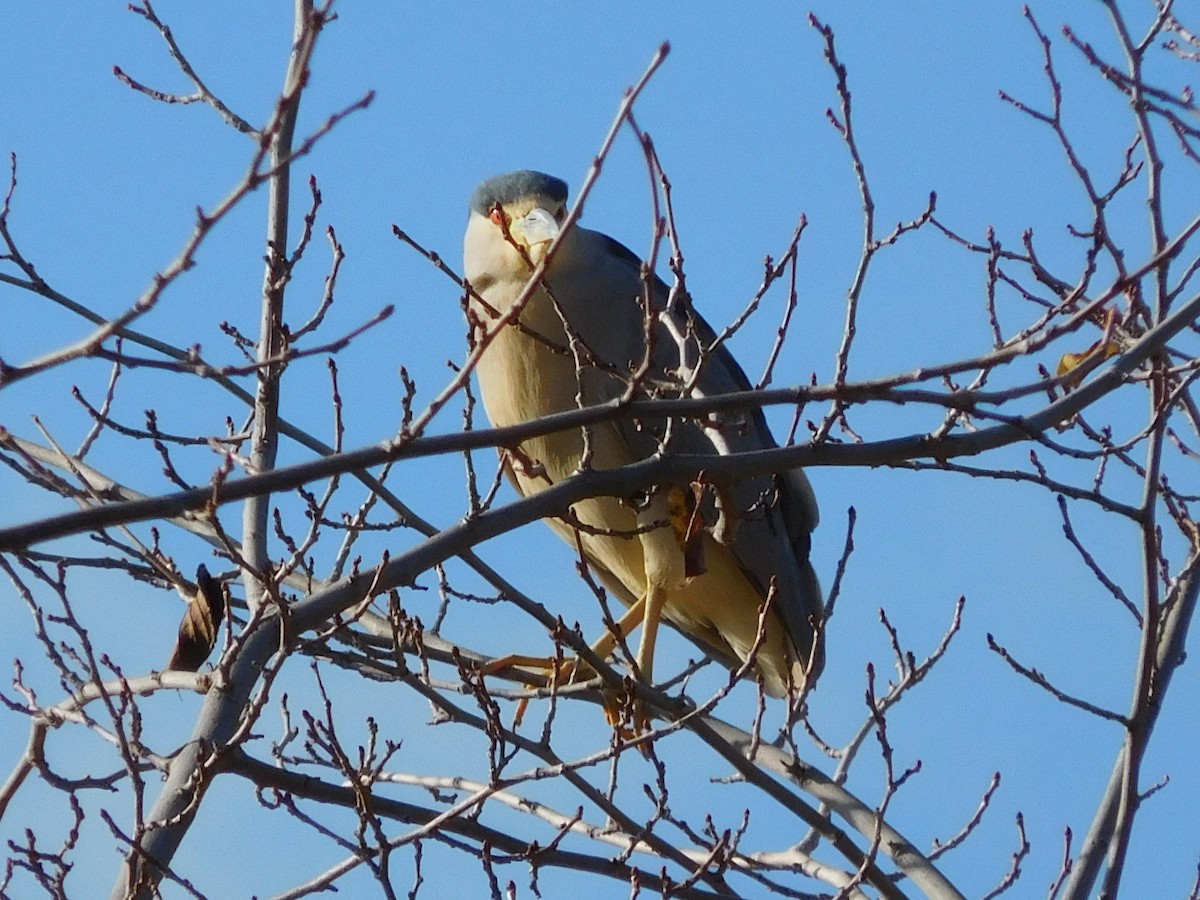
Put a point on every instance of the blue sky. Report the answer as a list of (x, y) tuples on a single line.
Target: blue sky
[(109, 181)]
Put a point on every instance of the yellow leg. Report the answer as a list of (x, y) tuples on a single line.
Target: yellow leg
[(516, 660), (645, 612), (603, 647), (665, 567), (656, 597), (624, 627)]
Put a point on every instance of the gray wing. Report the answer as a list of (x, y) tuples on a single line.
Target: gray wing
[(773, 515)]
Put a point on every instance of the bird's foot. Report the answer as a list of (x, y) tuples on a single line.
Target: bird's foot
[(562, 671), (627, 716)]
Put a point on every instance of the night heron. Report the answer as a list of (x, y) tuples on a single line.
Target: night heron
[(704, 556)]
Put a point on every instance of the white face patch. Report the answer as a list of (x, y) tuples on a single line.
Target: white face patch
[(538, 226)]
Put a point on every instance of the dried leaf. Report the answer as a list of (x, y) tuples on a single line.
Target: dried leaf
[(683, 510), (198, 629), (1076, 365)]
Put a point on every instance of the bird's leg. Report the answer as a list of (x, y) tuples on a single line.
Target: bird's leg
[(569, 669), (656, 598), (646, 612), (602, 647), (665, 525), (516, 660), (665, 571), (620, 629), (623, 713)]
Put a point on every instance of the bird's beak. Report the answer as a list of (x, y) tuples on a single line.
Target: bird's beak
[(535, 230)]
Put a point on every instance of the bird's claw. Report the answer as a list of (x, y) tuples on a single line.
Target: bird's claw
[(562, 672), (627, 717)]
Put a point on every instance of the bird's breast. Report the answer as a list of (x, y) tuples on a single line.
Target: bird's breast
[(521, 378)]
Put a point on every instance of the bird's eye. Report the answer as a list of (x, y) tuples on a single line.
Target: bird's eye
[(560, 215), (495, 216)]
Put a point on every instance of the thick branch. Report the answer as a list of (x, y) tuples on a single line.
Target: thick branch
[(619, 482)]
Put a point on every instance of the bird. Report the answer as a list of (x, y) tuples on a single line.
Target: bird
[(703, 556)]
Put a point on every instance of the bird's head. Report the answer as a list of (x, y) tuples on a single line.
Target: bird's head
[(514, 218)]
